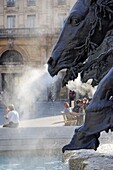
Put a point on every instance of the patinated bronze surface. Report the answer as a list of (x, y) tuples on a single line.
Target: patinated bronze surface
[(85, 46)]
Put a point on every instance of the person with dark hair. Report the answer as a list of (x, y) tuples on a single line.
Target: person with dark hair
[(85, 102), (78, 108), (72, 96), (12, 116)]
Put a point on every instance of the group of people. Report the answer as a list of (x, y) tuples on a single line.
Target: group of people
[(12, 117), (78, 111)]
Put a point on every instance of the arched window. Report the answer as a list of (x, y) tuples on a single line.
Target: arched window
[(11, 57)]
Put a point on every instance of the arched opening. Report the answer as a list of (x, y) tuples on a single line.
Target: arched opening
[(11, 64), (11, 57)]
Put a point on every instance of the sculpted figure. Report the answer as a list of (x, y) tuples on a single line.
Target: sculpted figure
[(85, 46)]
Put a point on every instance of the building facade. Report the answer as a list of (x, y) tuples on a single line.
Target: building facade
[(28, 31)]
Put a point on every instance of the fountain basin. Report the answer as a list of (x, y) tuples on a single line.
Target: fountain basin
[(33, 138)]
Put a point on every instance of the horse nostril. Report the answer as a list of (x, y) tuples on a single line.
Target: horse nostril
[(50, 61)]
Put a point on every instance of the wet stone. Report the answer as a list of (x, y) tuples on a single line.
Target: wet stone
[(92, 160)]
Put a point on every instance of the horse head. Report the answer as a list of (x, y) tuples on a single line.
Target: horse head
[(84, 31)]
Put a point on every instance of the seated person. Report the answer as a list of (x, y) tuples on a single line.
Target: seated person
[(68, 112), (85, 102), (78, 109), (12, 116)]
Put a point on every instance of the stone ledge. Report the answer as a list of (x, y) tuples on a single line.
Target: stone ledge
[(33, 138), (102, 159), (85, 159)]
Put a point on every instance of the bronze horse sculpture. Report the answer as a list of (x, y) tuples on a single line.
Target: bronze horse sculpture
[(85, 46)]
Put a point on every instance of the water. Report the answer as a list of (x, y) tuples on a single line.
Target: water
[(31, 161)]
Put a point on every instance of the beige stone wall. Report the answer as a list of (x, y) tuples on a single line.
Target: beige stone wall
[(35, 50), (47, 12)]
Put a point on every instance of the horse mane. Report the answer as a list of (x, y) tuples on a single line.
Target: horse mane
[(103, 9)]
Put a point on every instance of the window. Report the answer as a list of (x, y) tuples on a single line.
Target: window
[(61, 2), (31, 2), (10, 3), (11, 21), (31, 21)]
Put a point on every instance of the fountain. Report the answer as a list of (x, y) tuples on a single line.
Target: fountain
[(86, 49), (40, 161), (33, 86), (17, 146)]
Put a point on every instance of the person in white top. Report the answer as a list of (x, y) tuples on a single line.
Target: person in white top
[(12, 116)]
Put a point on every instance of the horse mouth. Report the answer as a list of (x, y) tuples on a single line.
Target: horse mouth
[(72, 60), (54, 71), (63, 63)]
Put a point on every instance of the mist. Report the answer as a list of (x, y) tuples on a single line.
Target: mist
[(34, 85), (81, 88)]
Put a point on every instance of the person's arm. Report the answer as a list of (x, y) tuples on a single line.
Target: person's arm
[(6, 113), (75, 113)]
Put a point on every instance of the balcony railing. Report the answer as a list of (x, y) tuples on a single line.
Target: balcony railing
[(23, 32)]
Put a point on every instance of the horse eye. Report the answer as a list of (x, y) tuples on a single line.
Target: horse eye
[(74, 21)]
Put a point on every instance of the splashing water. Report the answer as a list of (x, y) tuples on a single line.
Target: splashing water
[(22, 161), (33, 86), (81, 88)]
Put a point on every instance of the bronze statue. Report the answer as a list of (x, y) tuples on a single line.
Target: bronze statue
[(85, 46)]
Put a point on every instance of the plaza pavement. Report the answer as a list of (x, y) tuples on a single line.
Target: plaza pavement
[(44, 124), (45, 114), (51, 121)]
